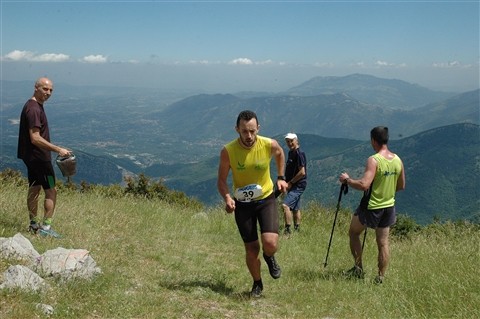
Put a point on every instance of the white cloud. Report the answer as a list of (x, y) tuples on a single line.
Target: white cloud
[(323, 65), (244, 61), (205, 62), (94, 59), (446, 65), (51, 57), (18, 55), (381, 63), (264, 62)]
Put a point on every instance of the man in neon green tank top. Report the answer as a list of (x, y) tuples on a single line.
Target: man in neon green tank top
[(384, 175), (253, 200)]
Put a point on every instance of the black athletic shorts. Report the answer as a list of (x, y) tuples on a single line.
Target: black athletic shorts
[(40, 173), (384, 217), (264, 211)]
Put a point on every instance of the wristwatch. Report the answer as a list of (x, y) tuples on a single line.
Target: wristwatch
[(281, 177)]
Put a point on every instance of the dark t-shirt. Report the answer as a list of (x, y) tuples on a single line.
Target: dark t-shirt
[(32, 116), (295, 160)]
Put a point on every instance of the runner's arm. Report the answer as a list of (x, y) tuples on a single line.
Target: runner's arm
[(277, 153), (40, 142), (222, 186), (401, 180), (364, 183)]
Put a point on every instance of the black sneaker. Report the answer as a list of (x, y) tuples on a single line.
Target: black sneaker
[(287, 232), (297, 228), (256, 290), (355, 271), (34, 227), (273, 267)]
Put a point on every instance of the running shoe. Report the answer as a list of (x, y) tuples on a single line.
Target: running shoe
[(256, 290), (273, 267), (356, 271), (34, 227), (49, 232), (379, 279)]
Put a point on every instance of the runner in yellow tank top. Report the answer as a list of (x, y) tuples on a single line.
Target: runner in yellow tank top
[(252, 166), (384, 176), (253, 199)]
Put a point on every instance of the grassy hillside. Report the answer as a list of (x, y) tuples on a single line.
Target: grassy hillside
[(163, 260)]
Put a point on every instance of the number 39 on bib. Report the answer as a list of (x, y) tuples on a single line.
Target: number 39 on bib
[(248, 193)]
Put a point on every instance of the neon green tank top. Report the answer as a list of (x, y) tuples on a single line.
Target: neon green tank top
[(251, 166), (385, 182)]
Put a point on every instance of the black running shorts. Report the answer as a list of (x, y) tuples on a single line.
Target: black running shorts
[(264, 211), (384, 217), (40, 173)]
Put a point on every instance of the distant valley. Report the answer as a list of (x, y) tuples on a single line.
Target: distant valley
[(178, 135)]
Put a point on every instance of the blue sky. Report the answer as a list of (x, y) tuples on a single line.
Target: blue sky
[(230, 46)]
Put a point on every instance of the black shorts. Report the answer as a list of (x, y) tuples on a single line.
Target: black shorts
[(384, 217), (264, 211), (40, 173)]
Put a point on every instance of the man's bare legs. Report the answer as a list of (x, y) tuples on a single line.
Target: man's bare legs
[(356, 228), (32, 200), (270, 246), (383, 249), (297, 217), (48, 204), (253, 261), (287, 213)]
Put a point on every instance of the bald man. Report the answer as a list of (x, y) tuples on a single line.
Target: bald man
[(34, 149)]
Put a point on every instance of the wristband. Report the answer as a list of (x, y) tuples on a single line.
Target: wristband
[(281, 178)]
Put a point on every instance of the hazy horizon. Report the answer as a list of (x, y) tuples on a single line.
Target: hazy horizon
[(232, 46)]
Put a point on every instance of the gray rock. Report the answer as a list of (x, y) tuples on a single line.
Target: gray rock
[(22, 277), (17, 247), (66, 264)]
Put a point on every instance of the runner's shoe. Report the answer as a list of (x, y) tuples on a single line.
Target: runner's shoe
[(379, 279), (356, 271), (34, 227), (273, 267), (49, 232), (256, 290)]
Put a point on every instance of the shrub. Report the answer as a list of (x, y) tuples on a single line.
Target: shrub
[(404, 227), (145, 187)]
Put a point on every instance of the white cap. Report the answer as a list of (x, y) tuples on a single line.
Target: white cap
[(291, 136)]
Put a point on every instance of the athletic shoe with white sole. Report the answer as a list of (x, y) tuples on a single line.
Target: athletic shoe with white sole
[(49, 232)]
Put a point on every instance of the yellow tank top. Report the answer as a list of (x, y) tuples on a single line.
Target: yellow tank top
[(251, 166), (385, 182)]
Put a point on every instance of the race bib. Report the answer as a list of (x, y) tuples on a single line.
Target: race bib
[(248, 193)]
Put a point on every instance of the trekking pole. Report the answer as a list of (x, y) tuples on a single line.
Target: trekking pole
[(364, 237), (344, 190)]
